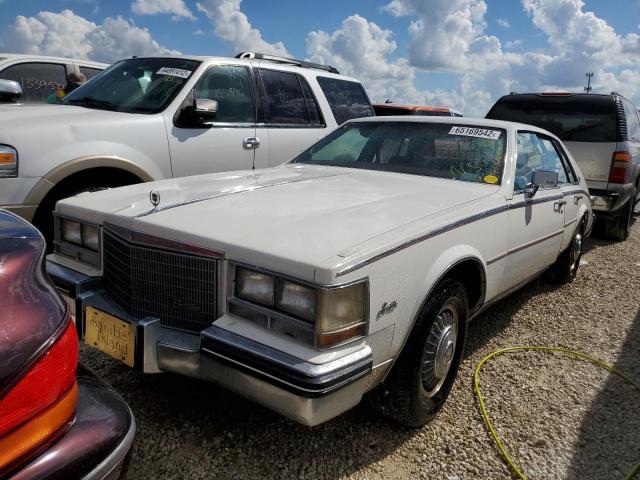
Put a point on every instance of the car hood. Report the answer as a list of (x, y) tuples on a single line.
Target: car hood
[(293, 214)]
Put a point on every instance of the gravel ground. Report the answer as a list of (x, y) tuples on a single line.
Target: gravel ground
[(559, 418)]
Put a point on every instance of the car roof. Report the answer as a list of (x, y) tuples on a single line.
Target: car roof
[(479, 122), (560, 95), (401, 106), (261, 62), (48, 58)]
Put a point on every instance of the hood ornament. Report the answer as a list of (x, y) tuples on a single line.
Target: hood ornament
[(154, 198)]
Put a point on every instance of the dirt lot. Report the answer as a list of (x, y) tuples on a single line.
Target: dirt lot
[(558, 417)]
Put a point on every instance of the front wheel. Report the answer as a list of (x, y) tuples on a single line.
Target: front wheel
[(423, 375)]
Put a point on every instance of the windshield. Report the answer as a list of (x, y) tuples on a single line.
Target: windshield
[(458, 152), (574, 118), (138, 85)]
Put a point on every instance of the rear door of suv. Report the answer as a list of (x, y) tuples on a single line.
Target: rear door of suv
[(288, 113)]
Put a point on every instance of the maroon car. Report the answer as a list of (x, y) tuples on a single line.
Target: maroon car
[(57, 419)]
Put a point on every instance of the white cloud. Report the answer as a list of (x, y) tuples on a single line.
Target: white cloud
[(69, 35), (361, 48), (503, 23), (176, 8), (233, 26), (199, 31)]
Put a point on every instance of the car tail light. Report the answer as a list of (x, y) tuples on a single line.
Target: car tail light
[(619, 167), (42, 403)]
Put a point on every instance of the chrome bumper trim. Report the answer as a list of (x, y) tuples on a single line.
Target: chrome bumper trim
[(305, 410), (117, 458)]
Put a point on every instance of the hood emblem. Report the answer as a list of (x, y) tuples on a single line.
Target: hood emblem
[(154, 198)]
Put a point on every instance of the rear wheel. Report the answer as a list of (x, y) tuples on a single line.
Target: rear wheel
[(566, 267), (423, 375), (619, 226)]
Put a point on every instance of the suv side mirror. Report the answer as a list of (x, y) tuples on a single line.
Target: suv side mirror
[(10, 91), (542, 178), (205, 109)]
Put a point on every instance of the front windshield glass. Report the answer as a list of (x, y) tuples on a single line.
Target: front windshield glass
[(453, 151), (138, 85)]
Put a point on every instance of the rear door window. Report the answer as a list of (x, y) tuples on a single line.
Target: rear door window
[(38, 80), (572, 118), (285, 104), (89, 72), (631, 115), (347, 99)]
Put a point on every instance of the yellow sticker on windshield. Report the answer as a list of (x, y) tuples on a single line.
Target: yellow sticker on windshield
[(490, 179)]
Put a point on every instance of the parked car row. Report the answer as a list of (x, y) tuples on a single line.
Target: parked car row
[(290, 245)]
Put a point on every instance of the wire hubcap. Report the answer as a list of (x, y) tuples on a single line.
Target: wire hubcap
[(439, 350)]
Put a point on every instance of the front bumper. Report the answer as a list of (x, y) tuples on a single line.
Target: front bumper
[(306, 392), (98, 444), (15, 196)]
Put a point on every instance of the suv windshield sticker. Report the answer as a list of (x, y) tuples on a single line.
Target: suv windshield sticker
[(475, 132), (174, 72)]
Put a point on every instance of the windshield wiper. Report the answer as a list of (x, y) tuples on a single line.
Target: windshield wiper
[(93, 102)]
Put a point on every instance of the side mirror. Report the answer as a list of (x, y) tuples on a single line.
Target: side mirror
[(205, 109), (542, 178), (10, 91)]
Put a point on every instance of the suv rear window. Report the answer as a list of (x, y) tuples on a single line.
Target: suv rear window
[(574, 118), (346, 99)]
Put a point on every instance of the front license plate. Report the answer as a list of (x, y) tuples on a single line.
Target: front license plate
[(110, 335)]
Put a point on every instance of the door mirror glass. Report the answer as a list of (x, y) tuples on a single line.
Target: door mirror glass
[(205, 109), (10, 91)]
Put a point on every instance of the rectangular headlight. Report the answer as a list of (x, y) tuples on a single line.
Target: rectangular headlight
[(342, 314), (90, 237), (72, 232), (255, 286), (296, 299), (8, 161)]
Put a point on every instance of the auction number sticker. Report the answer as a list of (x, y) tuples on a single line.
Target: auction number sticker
[(174, 72), (475, 132)]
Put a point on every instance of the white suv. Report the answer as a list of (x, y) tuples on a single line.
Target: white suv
[(39, 75), (146, 119)]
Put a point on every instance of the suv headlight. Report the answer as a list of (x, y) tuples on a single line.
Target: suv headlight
[(8, 161), (330, 315)]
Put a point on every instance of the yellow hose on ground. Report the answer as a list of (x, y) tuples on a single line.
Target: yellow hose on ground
[(572, 353)]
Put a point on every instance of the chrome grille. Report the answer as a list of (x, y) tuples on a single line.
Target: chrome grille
[(179, 289)]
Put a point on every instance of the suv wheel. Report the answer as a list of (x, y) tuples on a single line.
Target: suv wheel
[(423, 375), (90, 181), (619, 226)]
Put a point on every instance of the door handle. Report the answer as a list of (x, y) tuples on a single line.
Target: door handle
[(576, 199), (557, 206), (251, 143)]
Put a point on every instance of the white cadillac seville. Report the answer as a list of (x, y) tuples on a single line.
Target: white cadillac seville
[(354, 268)]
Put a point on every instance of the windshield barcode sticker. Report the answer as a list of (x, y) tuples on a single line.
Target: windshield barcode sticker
[(475, 132), (174, 72)]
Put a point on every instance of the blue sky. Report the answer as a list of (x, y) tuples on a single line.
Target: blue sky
[(475, 51)]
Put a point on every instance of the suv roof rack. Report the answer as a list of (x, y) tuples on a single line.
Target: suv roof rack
[(289, 61)]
